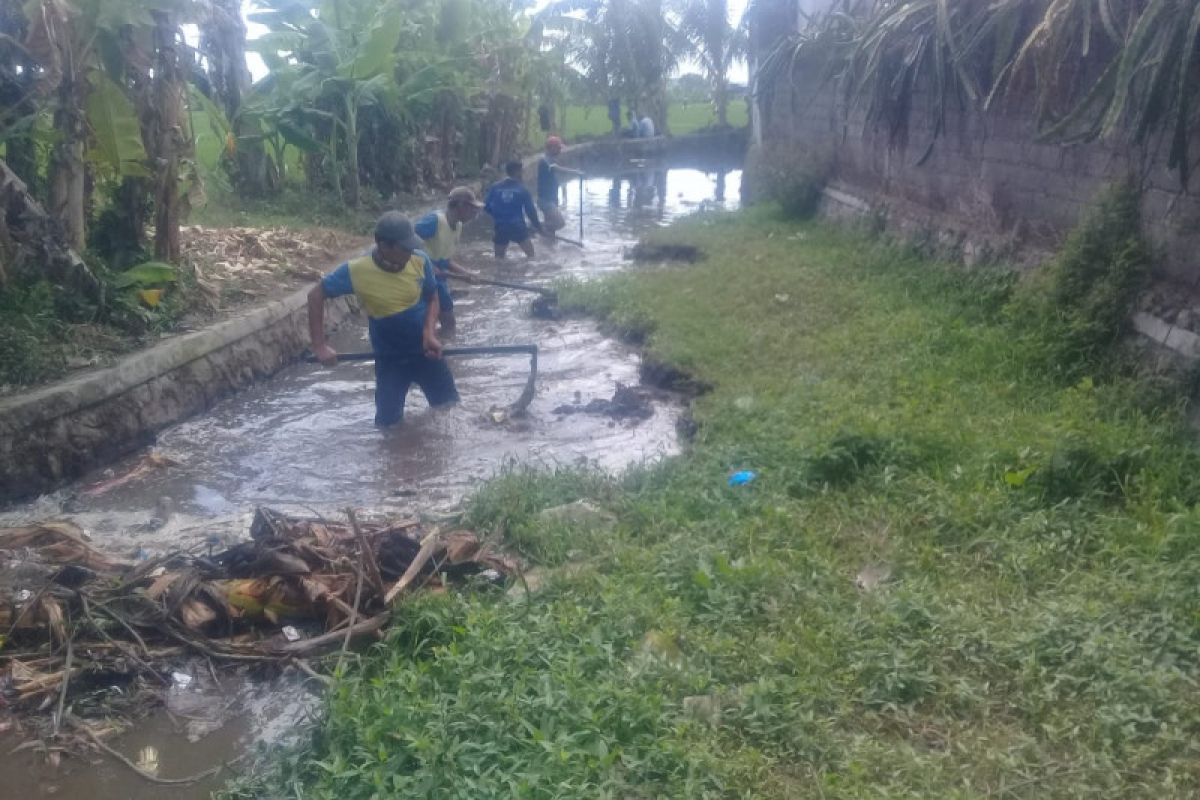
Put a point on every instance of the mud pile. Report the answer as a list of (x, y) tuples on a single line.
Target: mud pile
[(628, 402)]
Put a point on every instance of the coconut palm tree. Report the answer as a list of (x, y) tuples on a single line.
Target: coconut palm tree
[(715, 41), (623, 47)]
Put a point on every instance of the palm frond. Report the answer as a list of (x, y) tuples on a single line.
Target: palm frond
[(1086, 69)]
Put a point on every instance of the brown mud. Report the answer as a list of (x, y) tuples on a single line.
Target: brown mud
[(304, 441), (665, 252), (627, 402)]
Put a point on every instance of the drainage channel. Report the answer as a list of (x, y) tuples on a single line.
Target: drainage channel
[(305, 440)]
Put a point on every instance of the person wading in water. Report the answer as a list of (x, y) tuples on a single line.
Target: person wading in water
[(509, 203), (440, 231), (397, 288), (549, 173)]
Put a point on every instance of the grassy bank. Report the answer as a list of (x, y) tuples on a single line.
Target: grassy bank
[(956, 575)]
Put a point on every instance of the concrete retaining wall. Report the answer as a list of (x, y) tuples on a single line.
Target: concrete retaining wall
[(53, 434)]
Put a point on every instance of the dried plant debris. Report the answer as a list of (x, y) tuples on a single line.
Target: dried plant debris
[(245, 263), (81, 626)]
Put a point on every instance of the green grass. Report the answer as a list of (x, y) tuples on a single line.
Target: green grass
[(1035, 636), (294, 207), (590, 122)]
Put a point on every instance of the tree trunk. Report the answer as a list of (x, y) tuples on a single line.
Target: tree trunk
[(17, 73), (130, 197), (657, 100), (23, 160), (353, 186), (31, 242), (224, 43), (721, 100), (335, 167), (66, 163), (21, 151), (169, 138)]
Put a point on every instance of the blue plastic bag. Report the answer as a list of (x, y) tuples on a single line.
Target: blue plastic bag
[(742, 477)]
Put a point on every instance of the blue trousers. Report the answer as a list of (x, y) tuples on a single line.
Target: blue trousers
[(445, 301), (395, 375)]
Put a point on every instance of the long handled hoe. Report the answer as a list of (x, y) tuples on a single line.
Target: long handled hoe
[(521, 402)]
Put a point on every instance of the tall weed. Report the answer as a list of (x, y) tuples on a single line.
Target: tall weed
[(1078, 309)]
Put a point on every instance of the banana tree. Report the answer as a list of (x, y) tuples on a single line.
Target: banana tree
[(262, 124), (82, 48), (223, 41), (18, 111), (338, 58)]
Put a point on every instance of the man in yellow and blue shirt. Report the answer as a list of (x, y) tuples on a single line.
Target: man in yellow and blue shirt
[(440, 231), (396, 286)]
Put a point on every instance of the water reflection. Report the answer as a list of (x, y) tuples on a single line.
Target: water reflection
[(670, 192)]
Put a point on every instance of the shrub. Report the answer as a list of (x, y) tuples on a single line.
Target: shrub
[(794, 181), (29, 329), (1080, 307)]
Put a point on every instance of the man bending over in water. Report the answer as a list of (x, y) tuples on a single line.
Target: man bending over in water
[(397, 289), (440, 231)]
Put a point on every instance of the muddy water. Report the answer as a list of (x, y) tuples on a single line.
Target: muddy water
[(305, 440)]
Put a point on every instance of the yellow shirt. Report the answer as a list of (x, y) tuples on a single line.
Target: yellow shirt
[(444, 241), (382, 293)]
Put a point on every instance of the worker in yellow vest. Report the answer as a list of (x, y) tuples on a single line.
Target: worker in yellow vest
[(396, 287), (440, 230)]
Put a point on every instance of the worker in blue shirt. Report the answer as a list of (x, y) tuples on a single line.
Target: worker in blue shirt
[(440, 231), (396, 287), (509, 203)]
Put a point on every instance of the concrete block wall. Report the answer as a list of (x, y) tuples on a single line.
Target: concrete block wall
[(987, 177)]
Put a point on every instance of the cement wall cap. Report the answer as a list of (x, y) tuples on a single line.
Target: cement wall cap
[(96, 386)]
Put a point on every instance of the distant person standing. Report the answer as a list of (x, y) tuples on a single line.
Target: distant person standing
[(614, 115), (396, 287), (440, 230), (509, 203), (548, 175), (646, 128)]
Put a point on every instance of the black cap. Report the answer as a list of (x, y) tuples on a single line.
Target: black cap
[(396, 229)]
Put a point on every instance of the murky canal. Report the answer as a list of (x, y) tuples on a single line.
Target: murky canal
[(305, 439)]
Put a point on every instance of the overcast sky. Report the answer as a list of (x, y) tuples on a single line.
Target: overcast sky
[(259, 69)]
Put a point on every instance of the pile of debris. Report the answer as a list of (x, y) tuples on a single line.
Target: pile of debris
[(251, 262), (76, 623)]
